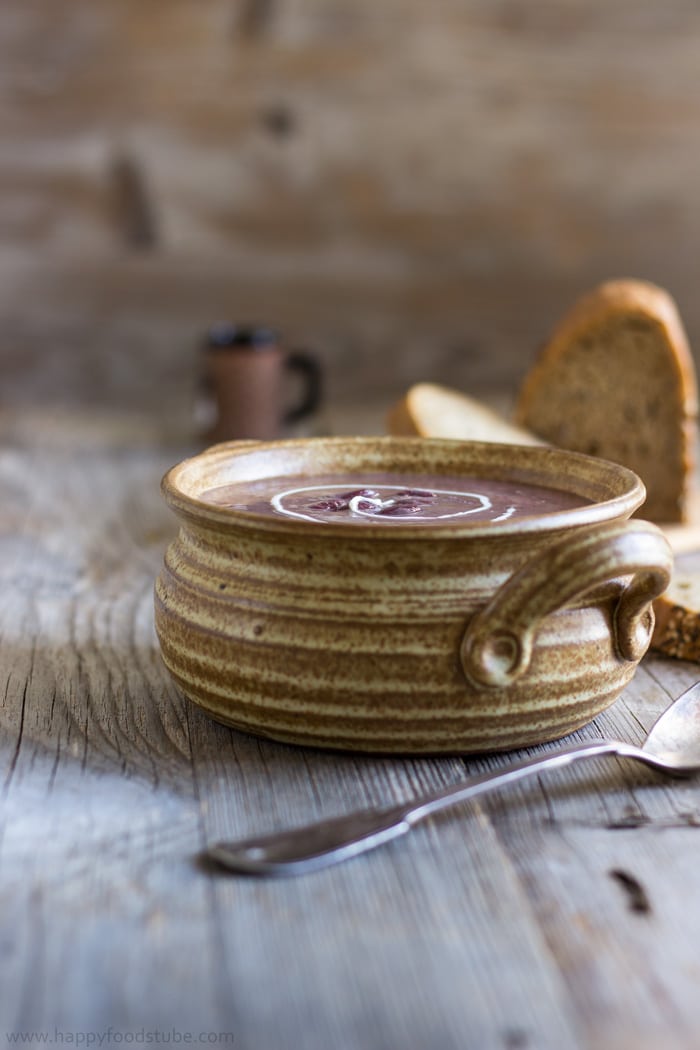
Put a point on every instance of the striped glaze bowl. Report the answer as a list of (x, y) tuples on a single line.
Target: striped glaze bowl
[(460, 637)]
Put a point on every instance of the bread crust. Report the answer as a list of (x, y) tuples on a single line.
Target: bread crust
[(614, 300), (676, 629), (431, 410), (622, 296)]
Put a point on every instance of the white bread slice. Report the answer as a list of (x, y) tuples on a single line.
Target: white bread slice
[(430, 410), (617, 380)]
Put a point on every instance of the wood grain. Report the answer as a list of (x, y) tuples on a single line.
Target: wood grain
[(502, 925), (417, 191)]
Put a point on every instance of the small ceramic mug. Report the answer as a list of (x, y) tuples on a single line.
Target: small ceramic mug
[(459, 635), (246, 376)]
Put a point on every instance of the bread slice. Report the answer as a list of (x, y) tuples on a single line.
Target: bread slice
[(429, 410), (677, 612), (617, 380)]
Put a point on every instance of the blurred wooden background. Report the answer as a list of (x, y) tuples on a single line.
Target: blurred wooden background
[(417, 190)]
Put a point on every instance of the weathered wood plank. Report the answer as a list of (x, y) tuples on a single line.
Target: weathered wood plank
[(499, 925), (386, 942), (419, 191), (617, 842)]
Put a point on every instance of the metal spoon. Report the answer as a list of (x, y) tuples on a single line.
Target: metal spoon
[(672, 746)]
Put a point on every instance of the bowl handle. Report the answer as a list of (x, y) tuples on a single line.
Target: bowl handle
[(497, 645)]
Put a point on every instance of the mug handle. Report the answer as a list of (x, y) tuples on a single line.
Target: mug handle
[(308, 366), (498, 642)]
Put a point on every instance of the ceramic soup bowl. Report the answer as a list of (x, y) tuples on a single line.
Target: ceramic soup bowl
[(405, 594)]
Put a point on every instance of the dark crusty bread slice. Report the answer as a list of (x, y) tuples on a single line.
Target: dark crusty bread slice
[(617, 380), (430, 410), (677, 612)]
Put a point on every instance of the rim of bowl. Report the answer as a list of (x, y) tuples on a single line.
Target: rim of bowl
[(533, 464)]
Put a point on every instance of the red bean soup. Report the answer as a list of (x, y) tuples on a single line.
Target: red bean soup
[(392, 499)]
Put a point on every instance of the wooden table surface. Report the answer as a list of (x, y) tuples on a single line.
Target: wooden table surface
[(563, 913)]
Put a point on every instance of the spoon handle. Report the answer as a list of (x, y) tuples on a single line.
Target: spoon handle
[(330, 841)]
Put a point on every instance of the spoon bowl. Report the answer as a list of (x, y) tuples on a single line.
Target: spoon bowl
[(673, 742)]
